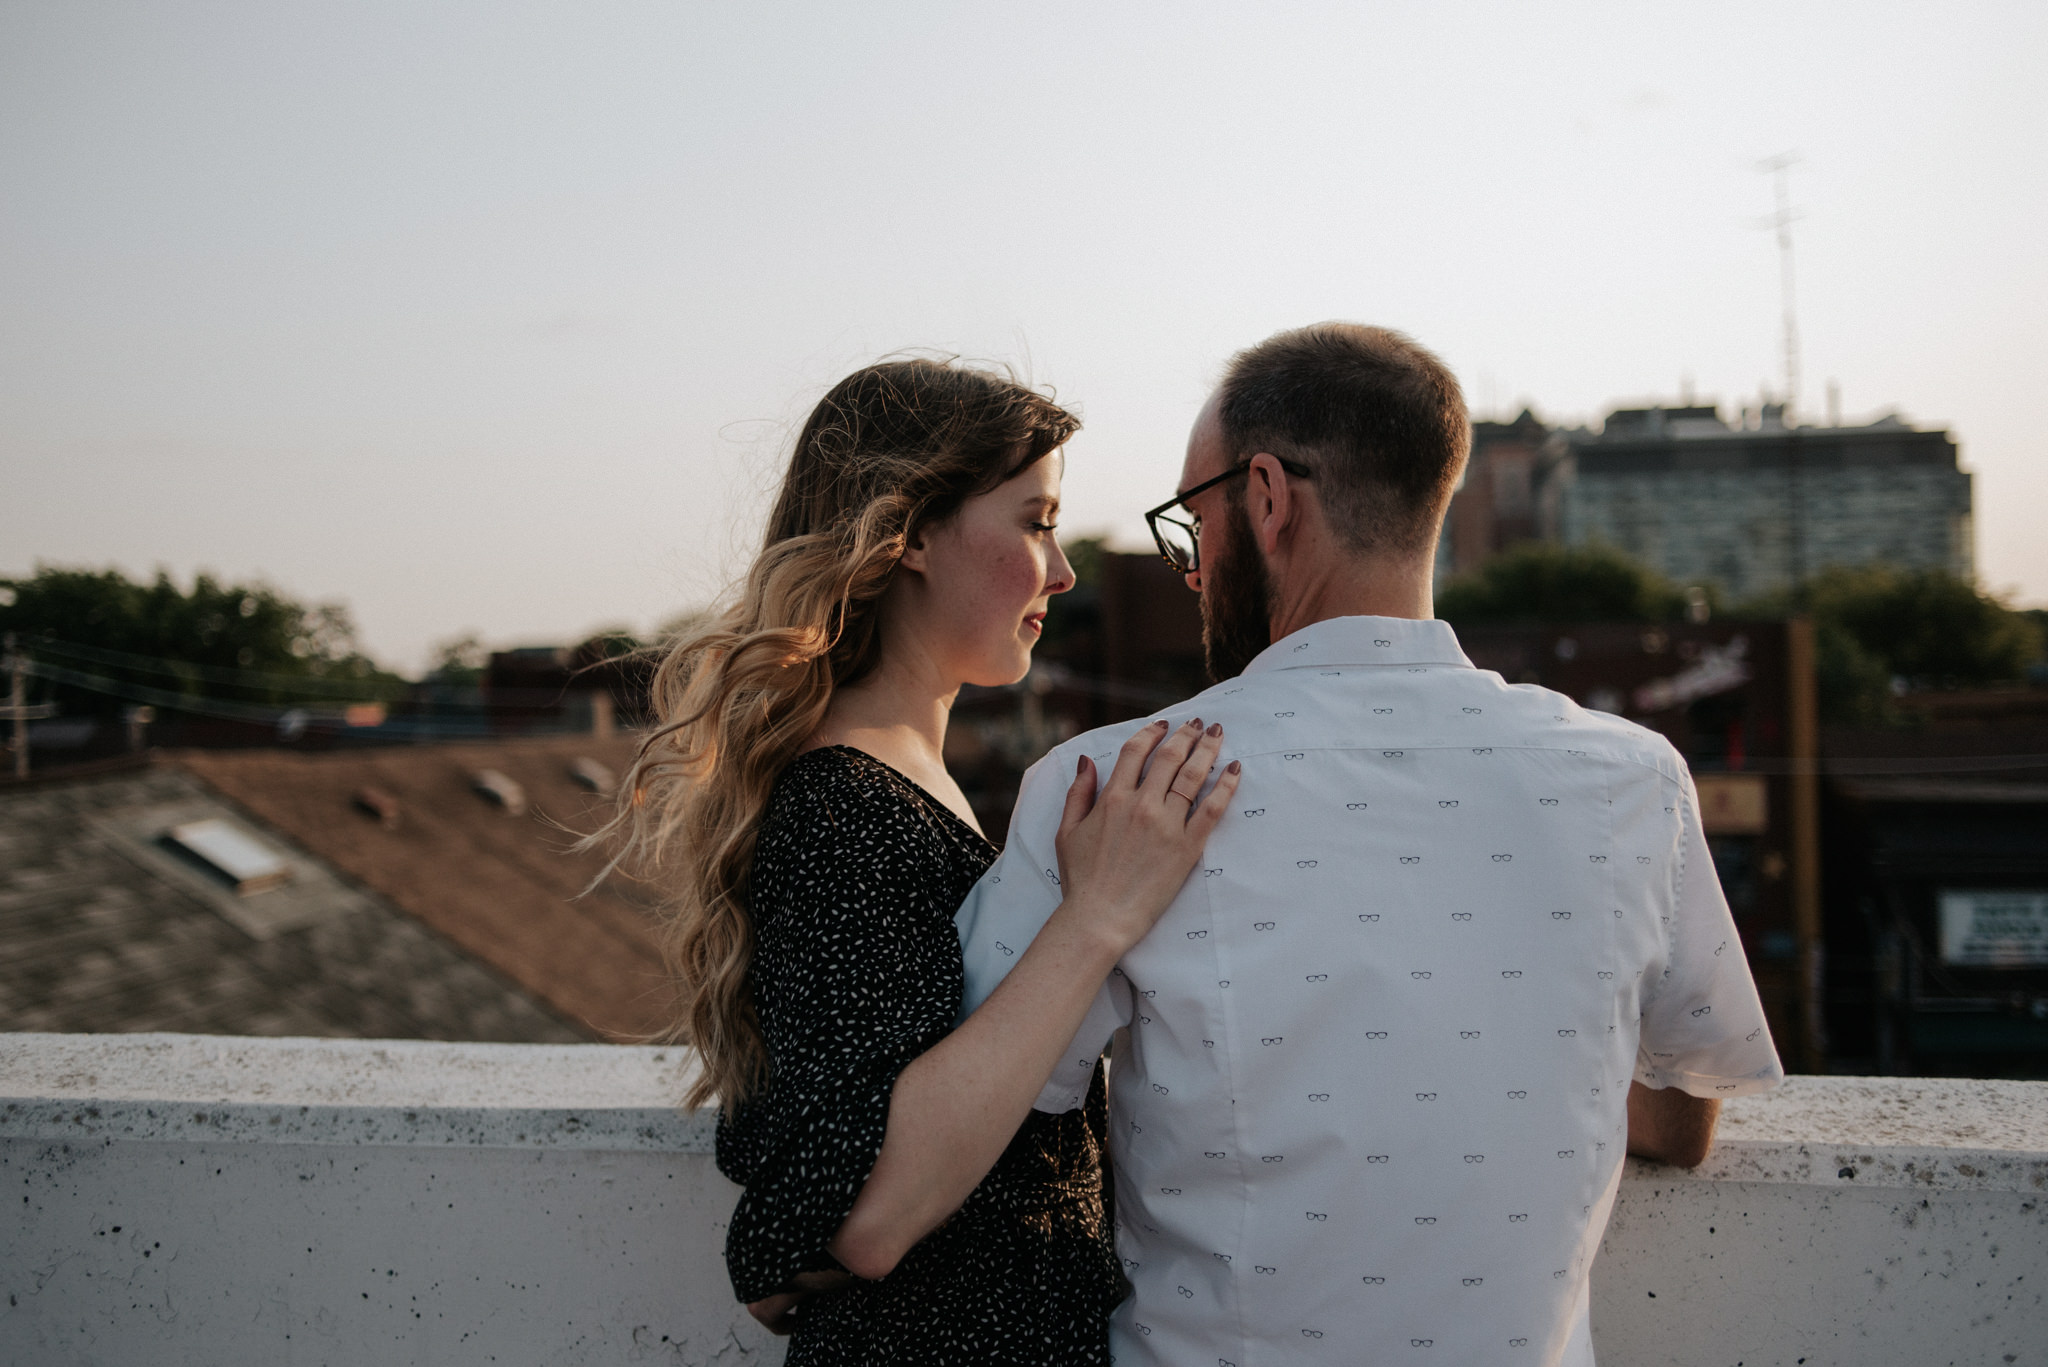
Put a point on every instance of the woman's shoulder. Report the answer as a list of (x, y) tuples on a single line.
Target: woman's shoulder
[(835, 784), (841, 820), (836, 798)]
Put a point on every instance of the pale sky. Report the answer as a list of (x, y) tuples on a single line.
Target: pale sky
[(496, 317)]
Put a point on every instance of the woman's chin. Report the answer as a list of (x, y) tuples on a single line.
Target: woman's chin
[(1003, 673)]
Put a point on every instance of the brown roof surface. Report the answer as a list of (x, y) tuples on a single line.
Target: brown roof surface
[(502, 888), (104, 930)]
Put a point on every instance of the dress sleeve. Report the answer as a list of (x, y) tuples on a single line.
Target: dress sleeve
[(1011, 904), (858, 975), (1703, 1027)]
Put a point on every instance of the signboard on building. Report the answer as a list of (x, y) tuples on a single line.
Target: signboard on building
[(1734, 804), (1997, 929)]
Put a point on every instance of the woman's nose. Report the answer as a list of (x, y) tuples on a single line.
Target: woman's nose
[(1059, 574)]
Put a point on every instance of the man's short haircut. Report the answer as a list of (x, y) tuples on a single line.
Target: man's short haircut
[(1379, 419)]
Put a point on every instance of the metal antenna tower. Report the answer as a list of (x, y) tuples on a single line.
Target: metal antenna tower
[(1780, 169)]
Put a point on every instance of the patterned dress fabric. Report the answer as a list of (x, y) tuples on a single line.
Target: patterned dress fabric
[(1374, 1103), (856, 878)]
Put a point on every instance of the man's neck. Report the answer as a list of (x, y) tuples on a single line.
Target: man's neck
[(1355, 586)]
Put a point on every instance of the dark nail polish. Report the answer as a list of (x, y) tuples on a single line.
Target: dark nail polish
[(1234, 766), (1217, 729)]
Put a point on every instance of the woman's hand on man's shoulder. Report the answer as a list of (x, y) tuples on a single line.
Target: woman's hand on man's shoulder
[(1127, 842)]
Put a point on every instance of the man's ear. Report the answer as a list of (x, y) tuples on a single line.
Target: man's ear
[(1269, 502)]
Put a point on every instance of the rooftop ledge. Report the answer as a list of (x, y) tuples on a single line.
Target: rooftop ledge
[(210, 1199)]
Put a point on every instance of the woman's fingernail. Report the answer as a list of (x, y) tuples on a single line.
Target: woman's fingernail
[(1195, 722), (1217, 729), (1160, 722), (1080, 766), (1233, 767)]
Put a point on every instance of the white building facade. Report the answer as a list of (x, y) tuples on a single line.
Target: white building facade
[(1755, 509)]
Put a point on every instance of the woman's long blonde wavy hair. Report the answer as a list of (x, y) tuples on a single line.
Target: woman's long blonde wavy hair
[(892, 449)]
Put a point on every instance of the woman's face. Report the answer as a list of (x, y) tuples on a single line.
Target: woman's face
[(982, 578)]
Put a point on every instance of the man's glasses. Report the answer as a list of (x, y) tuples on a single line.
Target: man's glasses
[(1180, 539)]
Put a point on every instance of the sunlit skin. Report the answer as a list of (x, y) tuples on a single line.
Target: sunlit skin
[(966, 606), (1314, 575)]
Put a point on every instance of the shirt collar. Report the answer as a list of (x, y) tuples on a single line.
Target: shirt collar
[(1364, 641)]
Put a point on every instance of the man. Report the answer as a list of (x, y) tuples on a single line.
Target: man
[(1460, 945)]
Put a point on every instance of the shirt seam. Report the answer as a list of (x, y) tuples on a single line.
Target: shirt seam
[(1670, 923), (1244, 1192)]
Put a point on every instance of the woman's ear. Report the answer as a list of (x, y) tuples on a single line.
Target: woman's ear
[(915, 558)]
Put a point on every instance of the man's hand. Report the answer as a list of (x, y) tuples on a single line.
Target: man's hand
[(779, 1313), (1670, 1126)]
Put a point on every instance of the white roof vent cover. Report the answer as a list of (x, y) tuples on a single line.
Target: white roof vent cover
[(246, 862)]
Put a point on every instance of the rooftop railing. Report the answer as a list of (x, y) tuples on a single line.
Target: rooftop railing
[(226, 1201)]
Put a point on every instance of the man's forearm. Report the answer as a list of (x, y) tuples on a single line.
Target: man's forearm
[(1670, 1126)]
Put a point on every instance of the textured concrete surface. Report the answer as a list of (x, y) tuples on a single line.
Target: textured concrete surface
[(207, 1200), (210, 1201), (206, 1088)]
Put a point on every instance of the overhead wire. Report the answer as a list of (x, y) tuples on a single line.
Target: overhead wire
[(185, 669)]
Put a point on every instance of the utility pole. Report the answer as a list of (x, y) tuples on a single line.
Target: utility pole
[(17, 710)]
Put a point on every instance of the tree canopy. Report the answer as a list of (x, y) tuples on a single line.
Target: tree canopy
[(1880, 631), (240, 642), (1539, 581)]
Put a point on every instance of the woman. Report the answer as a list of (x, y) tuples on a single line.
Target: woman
[(903, 1203)]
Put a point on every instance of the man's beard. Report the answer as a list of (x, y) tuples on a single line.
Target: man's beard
[(1236, 601)]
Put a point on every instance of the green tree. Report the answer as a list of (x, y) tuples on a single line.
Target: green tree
[(241, 642), (1874, 625), (459, 660), (1543, 582)]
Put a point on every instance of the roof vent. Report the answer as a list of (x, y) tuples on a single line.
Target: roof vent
[(596, 777), (375, 802), (499, 788), (247, 863)]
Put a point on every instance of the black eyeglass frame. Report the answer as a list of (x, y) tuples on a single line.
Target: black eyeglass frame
[(1194, 529)]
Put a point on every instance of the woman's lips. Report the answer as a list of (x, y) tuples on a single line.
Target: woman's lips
[(1035, 620)]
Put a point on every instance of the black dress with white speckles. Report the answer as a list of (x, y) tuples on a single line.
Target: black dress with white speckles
[(857, 874)]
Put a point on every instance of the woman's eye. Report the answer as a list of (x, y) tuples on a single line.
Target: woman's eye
[(1044, 526)]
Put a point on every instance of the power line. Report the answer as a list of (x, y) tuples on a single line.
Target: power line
[(165, 667), (223, 709)]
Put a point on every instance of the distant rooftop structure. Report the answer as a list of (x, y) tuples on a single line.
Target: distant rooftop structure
[(369, 893), (106, 926), (1753, 505)]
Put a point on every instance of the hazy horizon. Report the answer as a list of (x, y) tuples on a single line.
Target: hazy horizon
[(496, 319)]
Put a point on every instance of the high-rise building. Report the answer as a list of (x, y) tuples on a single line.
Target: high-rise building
[(1758, 506), (1753, 507)]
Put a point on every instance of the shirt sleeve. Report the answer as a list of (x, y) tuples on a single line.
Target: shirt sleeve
[(1011, 904), (859, 965), (1703, 1028)]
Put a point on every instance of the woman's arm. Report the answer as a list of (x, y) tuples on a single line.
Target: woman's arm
[(1124, 853)]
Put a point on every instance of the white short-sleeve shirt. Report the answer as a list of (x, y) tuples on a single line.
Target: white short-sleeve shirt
[(1373, 1103)]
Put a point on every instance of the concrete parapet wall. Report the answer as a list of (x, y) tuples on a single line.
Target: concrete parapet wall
[(206, 1200)]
